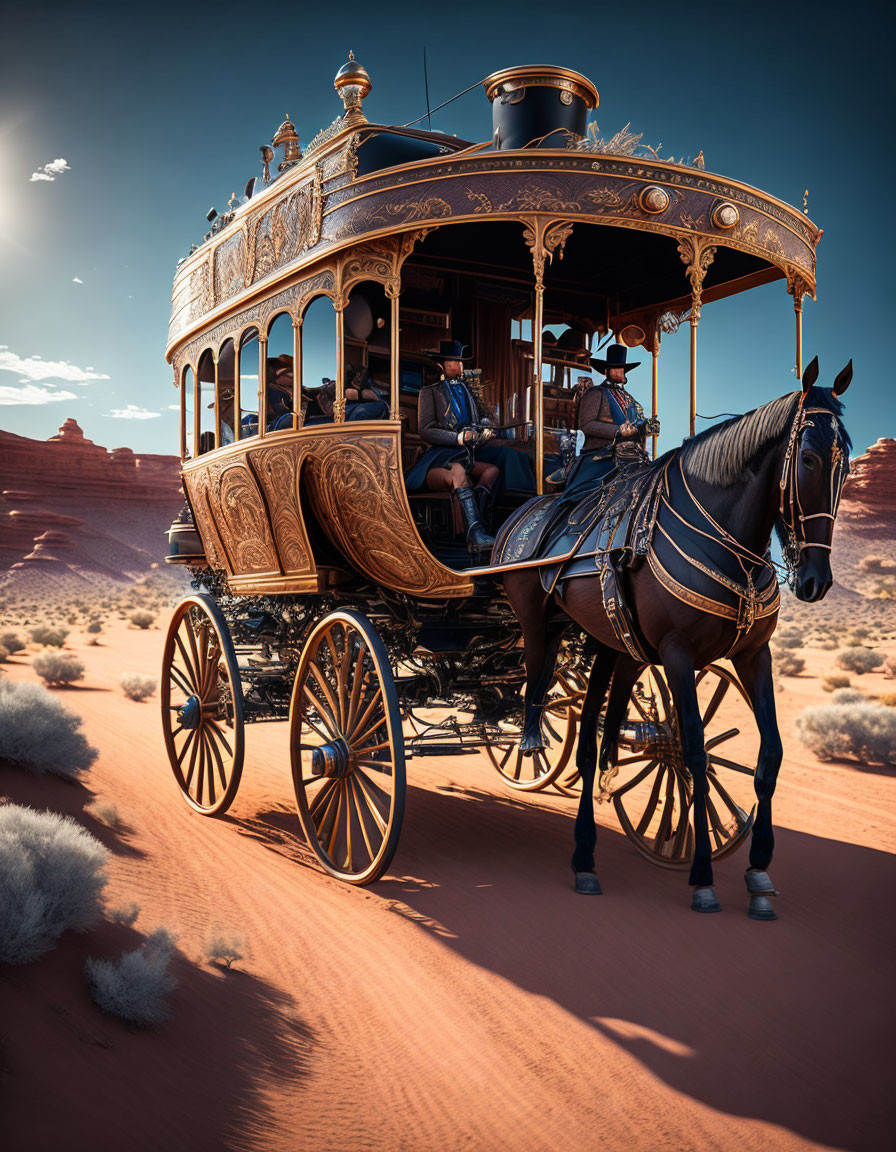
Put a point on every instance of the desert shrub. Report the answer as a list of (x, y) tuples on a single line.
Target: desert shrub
[(787, 664), (50, 637), (141, 619), (829, 643), (11, 641), (39, 733), (225, 949), (125, 914), (848, 696), (137, 986), (137, 687), (855, 636), (58, 667), (865, 731), (834, 680), (51, 877), (105, 812), (887, 698), (859, 659), (788, 640), (889, 667), (93, 629)]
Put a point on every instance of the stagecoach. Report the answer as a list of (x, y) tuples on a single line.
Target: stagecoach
[(328, 596)]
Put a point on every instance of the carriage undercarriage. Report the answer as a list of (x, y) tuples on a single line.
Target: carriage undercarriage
[(370, 681)]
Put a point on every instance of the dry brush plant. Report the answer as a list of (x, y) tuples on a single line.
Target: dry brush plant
[(223, 948), (787, 663), (59, 668), (859, 659), (136, 987), (12, 642), (141, 619), (48, 636), (833, 681), (136, 686), (52, 873), (39, 733), (125, 914), (863, 730), (105, 812)]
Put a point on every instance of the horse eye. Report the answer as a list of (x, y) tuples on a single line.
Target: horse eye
[(810, 460)]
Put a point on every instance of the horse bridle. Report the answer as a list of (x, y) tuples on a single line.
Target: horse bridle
[(791, 510)]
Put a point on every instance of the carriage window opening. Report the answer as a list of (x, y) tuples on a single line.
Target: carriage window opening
[(249, 383), (367, 335), (188, 385), (319, 361), (280, 374), (226, 365), (206, 376)]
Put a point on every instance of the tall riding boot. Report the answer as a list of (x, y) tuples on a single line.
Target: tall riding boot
[(485, 499), (478, 540)]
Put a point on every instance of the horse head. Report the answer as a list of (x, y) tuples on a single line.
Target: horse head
[(815, 468)]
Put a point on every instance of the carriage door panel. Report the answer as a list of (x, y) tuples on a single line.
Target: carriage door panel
[(277, 470)]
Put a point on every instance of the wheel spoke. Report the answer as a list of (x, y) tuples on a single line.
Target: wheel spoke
[(181, 681), (681, 833), (652, 802), (335, 829), (189, 740), (326, 717), (665, 828), (317, 801), (200, 773), (197, 663), (191, 672), (217, 755), (635, 780), (368, 711), (215, 728), (324, 686), (358, 741), (721, 762), (372, 793), (357, 685), (722, 738), (210, 773), (713, 706), (356, 797)]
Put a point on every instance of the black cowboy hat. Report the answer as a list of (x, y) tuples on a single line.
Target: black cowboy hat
[(616, 354), (452, 350)]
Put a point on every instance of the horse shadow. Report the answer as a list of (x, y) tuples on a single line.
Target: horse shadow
[(782, 1022)]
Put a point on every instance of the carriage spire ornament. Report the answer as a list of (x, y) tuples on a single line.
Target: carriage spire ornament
[(353, 84)]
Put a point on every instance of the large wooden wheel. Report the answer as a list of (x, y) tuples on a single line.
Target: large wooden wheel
[(347, 748), (202, 706), (652, 791), (559, 725)]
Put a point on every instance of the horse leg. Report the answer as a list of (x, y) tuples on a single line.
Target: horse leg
[(586, 762), (755, 673), (530, 604), (625, 674), (679, 667)]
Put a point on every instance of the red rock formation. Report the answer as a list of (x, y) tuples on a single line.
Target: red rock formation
[(68, 462), (870, 491)]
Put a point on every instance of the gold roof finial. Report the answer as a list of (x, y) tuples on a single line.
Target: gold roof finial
[(353, 84)]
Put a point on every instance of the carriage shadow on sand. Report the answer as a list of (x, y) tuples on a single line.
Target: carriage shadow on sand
[(758, 1020)]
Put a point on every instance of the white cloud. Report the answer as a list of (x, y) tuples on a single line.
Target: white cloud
[(132, 412), (174, 407), (77, 280), (51, 171), (31, 394), (34, 368)]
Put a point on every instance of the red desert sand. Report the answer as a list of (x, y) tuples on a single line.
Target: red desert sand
[(470, 999)]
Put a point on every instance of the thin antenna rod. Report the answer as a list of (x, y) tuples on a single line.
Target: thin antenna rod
[(426, 86)]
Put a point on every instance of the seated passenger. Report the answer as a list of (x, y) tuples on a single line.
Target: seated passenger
[(613, 423), (450, 418)]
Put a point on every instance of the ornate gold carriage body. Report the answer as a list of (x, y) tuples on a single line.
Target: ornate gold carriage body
[(361, 253)]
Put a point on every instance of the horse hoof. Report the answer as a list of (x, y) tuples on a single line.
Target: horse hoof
[(761, 909), (529, 745), (759, 883), (588, 884), (705, 901)]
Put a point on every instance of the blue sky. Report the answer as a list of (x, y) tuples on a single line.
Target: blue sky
[(158, 112)]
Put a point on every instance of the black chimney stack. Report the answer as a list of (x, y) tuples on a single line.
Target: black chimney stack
[(539, 106)]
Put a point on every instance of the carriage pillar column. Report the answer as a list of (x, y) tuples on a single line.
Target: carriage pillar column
[(654, 348), (262, 369), (697, 254), (393, 291), (297, 418), (339, 404), (797, 287), (543, 238)]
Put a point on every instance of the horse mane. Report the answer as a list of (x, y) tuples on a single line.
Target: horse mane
[(724, 454)]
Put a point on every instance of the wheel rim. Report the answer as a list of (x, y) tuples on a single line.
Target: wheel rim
[(202, 706), (652, 791), (347, 749), (559, 723)]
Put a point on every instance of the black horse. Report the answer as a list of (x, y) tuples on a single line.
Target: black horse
[(780, 467)]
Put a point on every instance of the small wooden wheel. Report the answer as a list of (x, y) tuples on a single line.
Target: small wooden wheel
[(347, 748), (559, 724), (202, 706), (653, 791)]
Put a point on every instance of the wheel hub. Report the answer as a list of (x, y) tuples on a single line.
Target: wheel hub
[(190, 712), (331, 760)]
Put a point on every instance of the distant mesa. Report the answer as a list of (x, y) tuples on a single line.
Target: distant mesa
[(73, 514), (870, 491)]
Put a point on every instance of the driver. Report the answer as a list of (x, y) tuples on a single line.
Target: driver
[(447, 415)]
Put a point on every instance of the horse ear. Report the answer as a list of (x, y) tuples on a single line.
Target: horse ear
[(842, 381), (810, 375)]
